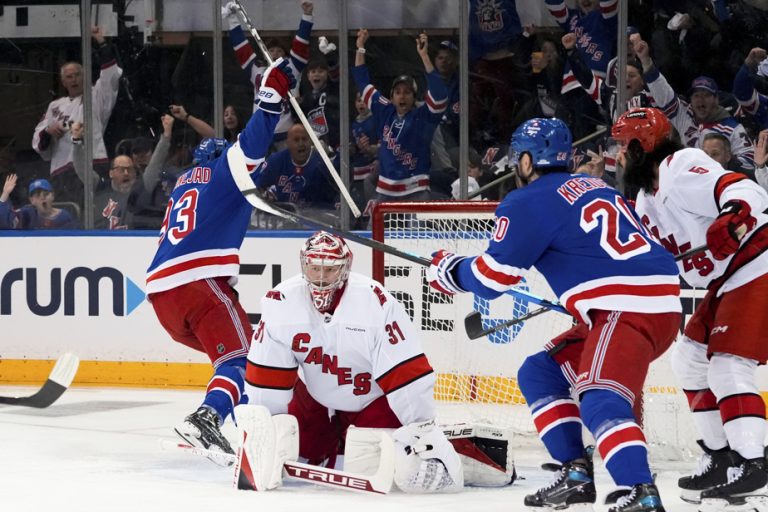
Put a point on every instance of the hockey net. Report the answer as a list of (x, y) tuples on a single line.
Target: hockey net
[(476, 379)]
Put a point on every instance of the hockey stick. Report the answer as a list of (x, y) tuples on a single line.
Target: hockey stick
[(57, 383), (244, 183), (378, 483), (243, 15), (473, 322)]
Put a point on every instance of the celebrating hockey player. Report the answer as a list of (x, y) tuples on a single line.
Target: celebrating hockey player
[(362, 365), (620, 285), (687, 199), (190, 281)]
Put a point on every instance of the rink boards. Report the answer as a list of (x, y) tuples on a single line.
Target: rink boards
[(83, 292)]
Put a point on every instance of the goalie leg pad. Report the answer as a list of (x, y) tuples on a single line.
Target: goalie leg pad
[(425, 461), (485, 455), (362, 449), (267, 442)]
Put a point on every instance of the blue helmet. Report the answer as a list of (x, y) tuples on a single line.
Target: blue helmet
[(208, 149), (548, 140)]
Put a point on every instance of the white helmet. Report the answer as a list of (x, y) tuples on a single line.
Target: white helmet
[(325, 263)]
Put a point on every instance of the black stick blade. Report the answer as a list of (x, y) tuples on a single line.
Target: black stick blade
[(473, 325)]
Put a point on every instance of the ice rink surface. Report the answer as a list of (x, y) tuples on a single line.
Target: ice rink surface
[(98, 450)]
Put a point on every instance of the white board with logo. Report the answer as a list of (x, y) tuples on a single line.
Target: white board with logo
[(85, 294)]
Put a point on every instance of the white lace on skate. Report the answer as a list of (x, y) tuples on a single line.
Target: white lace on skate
[(734, 473), (703, 464), (625, 500), (559, 477)]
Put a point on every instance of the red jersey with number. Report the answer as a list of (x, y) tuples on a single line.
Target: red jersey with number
[(368, 348), (692, 190), (207, 215)]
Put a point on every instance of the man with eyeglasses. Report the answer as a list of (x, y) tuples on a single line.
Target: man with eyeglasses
[(110, 197)]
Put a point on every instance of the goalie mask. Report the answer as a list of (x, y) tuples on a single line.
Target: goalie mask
[(325, 264)]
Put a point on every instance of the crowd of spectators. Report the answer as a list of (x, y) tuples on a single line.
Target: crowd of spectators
[(702, 62)]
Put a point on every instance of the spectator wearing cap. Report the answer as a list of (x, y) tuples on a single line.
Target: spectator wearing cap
[(254, 68), (701, 116), (110, 198), (40, 213), (406, 129)]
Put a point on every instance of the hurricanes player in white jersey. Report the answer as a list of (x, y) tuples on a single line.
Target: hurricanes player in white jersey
[(687, 199), (361, 362)]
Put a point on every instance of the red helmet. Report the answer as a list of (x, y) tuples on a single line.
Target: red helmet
[(648, 125), (325, 264)]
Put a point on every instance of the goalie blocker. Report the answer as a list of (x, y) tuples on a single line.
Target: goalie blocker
[(422, 460)]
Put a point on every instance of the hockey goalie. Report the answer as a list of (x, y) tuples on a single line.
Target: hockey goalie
[(363, 375)]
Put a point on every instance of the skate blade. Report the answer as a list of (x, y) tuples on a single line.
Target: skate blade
[(751, 504), (215, 453), (690, 496), (577, 507)]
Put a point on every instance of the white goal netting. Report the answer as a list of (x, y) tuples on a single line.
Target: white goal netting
[(476, 379)]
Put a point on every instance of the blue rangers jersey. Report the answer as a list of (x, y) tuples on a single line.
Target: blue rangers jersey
[(207, 216), (493, 26), (405, 142), (583, 237), (595, 32), (305, 184)]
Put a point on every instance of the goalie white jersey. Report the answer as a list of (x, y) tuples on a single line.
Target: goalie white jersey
[(366, 349), (692, 189)]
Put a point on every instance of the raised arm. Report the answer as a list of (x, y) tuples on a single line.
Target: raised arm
[(423, 49), (362, 38), (151, 175), (201, 127)]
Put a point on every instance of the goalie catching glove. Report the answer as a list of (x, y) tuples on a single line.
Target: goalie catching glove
[(440, 273), (278, 79), (425, 461), (725, 233)]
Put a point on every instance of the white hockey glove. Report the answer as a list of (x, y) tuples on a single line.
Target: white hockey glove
[(425, 460), (324, 46), (440, 272), (229, 16), (267, 442)]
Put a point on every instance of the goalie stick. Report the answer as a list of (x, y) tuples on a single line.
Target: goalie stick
[(244, 183), (473, 322), (243, 15), (57, 383), (378, 483)]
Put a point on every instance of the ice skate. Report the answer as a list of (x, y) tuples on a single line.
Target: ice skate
[(572, 489), (712, 471), (201, 429), (744, 491), (641, 498)]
